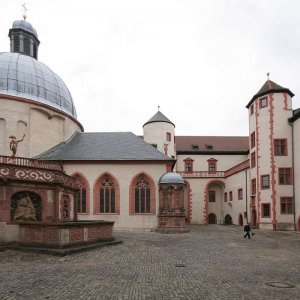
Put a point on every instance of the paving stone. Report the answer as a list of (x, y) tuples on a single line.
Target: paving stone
[(210, 262)]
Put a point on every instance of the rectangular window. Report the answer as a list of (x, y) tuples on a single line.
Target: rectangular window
[(252, 141), (285, 175), (253, 161), (188, 167), (265, 210), (168, 137), (263, 102), (225, 197), (240, 194), (286, 205), (253, 186), (212, 167), (280, 147), (230, 196), (251, 109), (212, 196), (265, 181)]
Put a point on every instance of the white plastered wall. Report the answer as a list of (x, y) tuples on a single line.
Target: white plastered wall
[(43, 127), (124, 173)]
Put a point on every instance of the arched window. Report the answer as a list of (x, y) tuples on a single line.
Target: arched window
[(82, 196), (16, 43), (142, 195), (26, 46), (107, 199)]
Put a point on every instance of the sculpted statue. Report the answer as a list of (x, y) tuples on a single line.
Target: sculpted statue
[(25, 210), (13, 145)]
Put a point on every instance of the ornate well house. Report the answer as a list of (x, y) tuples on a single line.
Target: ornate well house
[(158, 181)]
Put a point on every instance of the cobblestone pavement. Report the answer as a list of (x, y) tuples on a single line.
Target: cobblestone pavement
[(211, 262)]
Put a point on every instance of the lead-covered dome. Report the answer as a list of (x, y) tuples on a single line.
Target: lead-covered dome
[(171, 178), (25, 77), (22, 24)]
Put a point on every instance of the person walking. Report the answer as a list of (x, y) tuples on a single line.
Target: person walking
[(247, 229)]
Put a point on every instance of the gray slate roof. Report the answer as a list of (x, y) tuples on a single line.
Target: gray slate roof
[(103, 146), (159, 117)]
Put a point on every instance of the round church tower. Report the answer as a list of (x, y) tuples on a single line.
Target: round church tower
[(34, 100), (160, 132)]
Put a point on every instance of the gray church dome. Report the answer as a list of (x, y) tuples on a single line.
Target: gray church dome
[(22, 24), (171, 178), (24, 76)]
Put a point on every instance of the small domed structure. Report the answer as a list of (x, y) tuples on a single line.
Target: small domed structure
[(171, 178), (22, 24)]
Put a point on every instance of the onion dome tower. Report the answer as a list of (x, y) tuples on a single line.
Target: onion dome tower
[(160, 132), (34, 100), (271, 157)]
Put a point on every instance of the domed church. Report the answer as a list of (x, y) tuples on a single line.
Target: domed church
[(50, 169)]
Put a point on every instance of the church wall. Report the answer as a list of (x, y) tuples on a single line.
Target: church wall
[(123, 173), (44, 128), (224, 162)]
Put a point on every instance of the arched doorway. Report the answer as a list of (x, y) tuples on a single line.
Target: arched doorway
[(214, 192), (228, 220), (212, 219), (241, 222)]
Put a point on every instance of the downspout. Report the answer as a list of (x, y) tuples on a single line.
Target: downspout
[(293, 164), (246, 195)]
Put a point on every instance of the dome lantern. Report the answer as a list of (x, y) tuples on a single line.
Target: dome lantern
[(24, 39)]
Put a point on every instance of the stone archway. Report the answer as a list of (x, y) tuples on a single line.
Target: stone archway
[(212, 219), (241, 222), (228, 220), (25, 206)]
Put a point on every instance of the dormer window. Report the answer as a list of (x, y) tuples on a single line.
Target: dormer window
[(195, 147), (209, 146)]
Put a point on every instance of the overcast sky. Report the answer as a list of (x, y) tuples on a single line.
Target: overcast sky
[(200, 61)]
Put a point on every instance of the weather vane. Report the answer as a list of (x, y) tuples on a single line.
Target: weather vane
[(25, 11), (158, 107), (268, 74)]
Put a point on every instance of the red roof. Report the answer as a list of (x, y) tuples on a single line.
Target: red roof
[(212, 144)]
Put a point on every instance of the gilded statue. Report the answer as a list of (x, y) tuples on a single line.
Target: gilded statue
[(13, 146), (25, 210)]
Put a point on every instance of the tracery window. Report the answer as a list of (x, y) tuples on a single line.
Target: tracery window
[(107, 192), (82, 196), (142, 196)]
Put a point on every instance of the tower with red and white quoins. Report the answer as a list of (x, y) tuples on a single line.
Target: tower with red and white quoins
[(272, 203)]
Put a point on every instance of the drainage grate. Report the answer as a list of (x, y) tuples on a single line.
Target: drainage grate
[(280, 285)]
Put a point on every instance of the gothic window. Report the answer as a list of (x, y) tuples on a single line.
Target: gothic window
[(82, 195), (142, 195), (107, 192)]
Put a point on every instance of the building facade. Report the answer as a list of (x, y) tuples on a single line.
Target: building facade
[(227, 180)]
